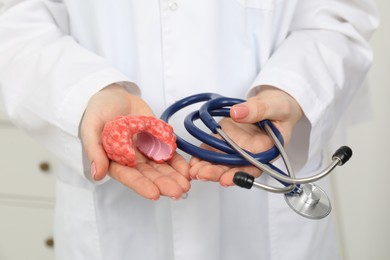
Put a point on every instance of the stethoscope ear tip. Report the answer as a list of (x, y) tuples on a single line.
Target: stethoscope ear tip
[(243, 180), (343, 154)]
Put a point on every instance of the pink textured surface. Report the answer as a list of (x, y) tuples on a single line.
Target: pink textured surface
[(156, 139)]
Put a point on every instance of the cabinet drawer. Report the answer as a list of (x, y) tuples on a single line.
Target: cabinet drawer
[(26, 169), (26, 233)]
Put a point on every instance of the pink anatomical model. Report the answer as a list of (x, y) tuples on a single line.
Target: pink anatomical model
[(153, 137)]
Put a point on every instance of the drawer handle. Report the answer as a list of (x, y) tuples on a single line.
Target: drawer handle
[(49, 242), (44, 166)]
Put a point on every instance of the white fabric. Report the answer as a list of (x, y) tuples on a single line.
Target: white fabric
[(54, 56)]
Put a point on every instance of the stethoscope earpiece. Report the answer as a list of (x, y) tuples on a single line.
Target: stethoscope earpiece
[(243, 180), (343, 154)]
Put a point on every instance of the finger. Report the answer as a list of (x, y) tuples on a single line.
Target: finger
[(90, 133), (180, 165), (195, 165), (133, 179), (198, 167), (206, 171), (192, 171), (164, 182), (169, 172)]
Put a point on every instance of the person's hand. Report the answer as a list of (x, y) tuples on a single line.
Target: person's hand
[(270, 103), (149, 179)]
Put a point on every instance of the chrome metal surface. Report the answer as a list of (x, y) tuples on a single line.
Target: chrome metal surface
[(311, 203)]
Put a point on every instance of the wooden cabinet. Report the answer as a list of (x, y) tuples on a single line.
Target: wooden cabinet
[(27, 176)]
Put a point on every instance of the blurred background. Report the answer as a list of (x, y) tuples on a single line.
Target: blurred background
[(361, 202), (360, 199)]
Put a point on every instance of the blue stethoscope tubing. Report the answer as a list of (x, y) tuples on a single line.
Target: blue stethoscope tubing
[(213, 108), (217, 105)]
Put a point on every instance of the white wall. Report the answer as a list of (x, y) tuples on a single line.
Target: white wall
[(362, 202)]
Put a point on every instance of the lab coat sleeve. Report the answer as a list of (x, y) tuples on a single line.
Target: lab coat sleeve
[(47, 78), (322, 63)]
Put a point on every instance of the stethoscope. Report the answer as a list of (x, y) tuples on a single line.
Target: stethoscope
[(304, 197)]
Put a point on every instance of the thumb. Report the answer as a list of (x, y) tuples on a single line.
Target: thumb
[(251, 111), (91, 138), (277, 107)]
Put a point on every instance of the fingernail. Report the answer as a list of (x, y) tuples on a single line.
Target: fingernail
[(240, 111), (93, 170)]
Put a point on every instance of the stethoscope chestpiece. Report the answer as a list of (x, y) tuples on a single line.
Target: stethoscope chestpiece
[(312, 202)]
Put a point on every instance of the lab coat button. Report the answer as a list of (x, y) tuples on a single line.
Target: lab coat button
[(173, 5)]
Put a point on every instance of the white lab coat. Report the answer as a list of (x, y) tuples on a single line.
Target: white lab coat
[(51, 63)]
